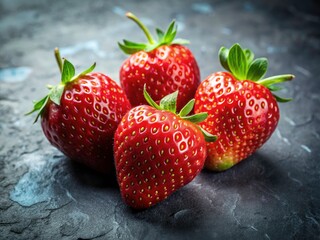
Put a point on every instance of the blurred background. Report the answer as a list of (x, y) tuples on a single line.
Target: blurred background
[(271, 195)]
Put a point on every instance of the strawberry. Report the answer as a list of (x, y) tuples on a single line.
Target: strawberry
[(158, 151), (164, 65), (80, 115), (243, 111)]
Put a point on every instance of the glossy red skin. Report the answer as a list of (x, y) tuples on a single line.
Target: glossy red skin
[(83, 125), (243, 115), (156, 153), (163, 70)]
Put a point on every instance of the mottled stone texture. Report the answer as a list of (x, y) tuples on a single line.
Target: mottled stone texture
[(274, 194)]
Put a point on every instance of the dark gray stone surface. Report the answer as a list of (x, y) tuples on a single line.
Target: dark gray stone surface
[(274, 194)]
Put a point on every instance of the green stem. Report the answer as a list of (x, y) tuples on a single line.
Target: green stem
[(275, 79), (58, 58), (142, 26)]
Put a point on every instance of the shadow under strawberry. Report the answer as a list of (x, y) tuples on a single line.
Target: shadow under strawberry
[(258, 168), (86, 176), (184, 210), (213, 197)]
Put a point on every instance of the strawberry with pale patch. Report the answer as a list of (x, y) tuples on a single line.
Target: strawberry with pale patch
[(242, 107), (164, 65), (158, 151), (80, 115)]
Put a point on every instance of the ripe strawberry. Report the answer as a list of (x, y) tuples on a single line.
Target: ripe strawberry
[(80, 115), (164, 66), (157, 151), (243, 111)]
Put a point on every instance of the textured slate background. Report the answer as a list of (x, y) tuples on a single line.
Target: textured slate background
[(274, 194)]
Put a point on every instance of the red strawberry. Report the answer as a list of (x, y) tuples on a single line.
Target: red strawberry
[(157, 151), (243, 112), (164, 66), (80, 115)]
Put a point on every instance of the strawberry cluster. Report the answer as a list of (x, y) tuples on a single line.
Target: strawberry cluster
[(163, 125)]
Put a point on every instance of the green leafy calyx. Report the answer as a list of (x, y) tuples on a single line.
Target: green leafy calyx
[(241, 63), (55, 92), (164, 38), (169, 103)]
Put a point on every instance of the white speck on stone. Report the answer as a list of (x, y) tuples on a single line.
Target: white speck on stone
[(119, 11), (248, 7), (279, 135), (203, 8), (306, 148), (32, 161), (313, 219), (290, 121), (12, 75), (294, 179), (226, 31), (233, 208), (267, 236), (253, 228), (302, 70), (30, 190), (180, 25), (79, 216), (89, 46), (147, 21), (180, 21), (35, 186), (183, 214), (273, 49)]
